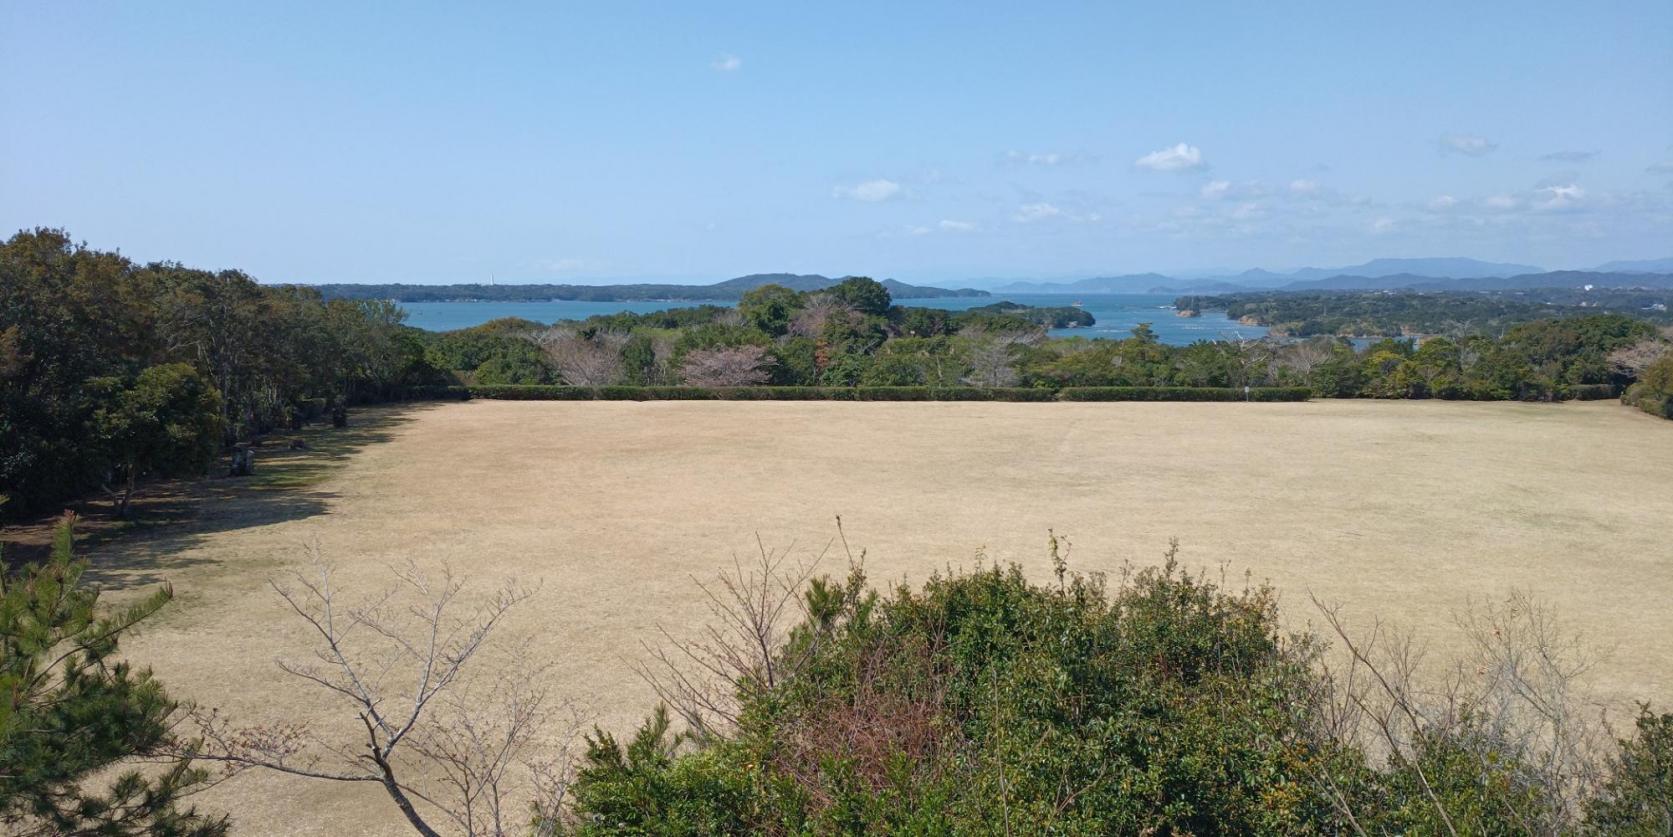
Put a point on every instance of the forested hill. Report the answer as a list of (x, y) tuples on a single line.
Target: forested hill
[(1383, 313), (1528, 281), (1371, 278), (727, 291)]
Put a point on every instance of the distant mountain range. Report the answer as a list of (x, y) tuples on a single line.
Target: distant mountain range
[(1457, 274), (727, 291), (1640, 266)]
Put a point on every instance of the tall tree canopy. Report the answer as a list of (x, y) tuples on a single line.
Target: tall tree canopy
[(80, 328)]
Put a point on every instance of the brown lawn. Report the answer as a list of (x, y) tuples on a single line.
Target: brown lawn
[(1398, 510)]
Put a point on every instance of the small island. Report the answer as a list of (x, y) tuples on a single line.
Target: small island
[(1059, 316)]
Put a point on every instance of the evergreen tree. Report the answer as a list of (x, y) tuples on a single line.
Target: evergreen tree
[(71, 710)]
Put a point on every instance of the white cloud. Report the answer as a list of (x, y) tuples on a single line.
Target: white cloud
[(1569, 156), (1468, 145), (1036, 212), (944, 226), (1304, 187), (1561, 197), (1050, 158), (870, 191), (1660, 168), (727, 64), (1562, 178), (1047, 159), (1557, 210), (1181, 157), (1245, 190)]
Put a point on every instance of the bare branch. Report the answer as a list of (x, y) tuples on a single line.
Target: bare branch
[(462, 735)]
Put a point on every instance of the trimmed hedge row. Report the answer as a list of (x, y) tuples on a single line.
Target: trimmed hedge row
[(1184, 394), (1653, 405), (1591, 392), (949, 393), (430, 393), (533, 392), (566, 393)]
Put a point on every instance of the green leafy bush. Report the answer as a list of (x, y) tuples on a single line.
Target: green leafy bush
[(1637, 797), (984, 703), (1645, 398)]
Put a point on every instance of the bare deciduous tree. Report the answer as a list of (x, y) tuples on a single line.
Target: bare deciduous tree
[(990, 355), (426, 734), (1633, 360), (733, 366), (477, 735), (1303, 356), (1515, 697), (1246, 359), (811, 320), (584, 361), (753, 609)]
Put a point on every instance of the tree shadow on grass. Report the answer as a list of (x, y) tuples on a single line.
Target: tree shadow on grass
[(170, 517)]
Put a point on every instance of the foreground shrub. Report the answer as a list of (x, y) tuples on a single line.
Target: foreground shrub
[(74, 716), (1638, 796), (984, 703)]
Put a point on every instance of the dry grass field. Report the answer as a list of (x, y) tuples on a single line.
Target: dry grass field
[(1399, 510)]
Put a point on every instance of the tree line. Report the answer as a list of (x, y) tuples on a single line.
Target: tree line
[(112, 370), (853, 335), (850, 334)]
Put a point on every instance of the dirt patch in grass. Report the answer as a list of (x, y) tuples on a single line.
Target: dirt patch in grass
[(1398, 510)]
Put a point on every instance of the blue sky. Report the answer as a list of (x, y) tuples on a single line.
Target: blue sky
[(924, 141)]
